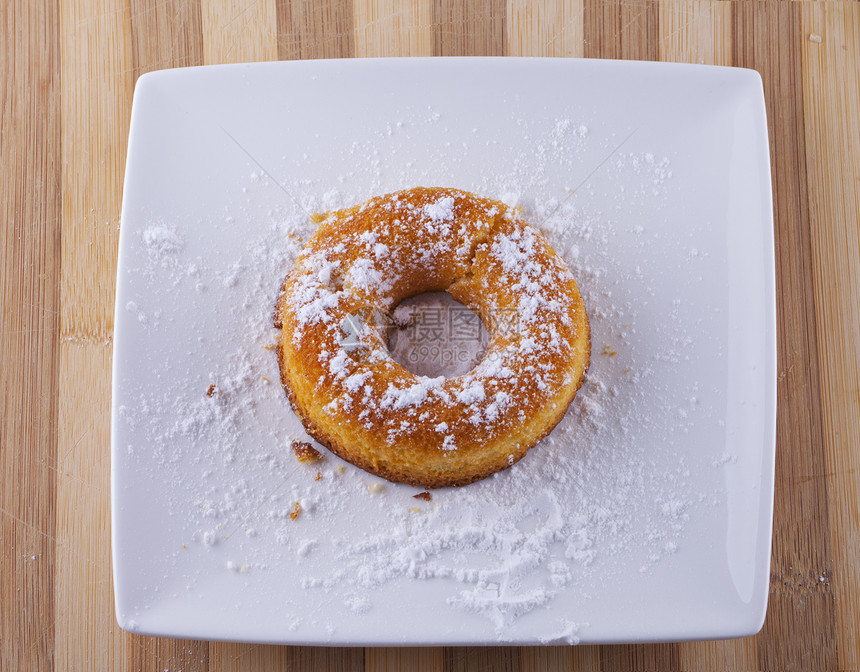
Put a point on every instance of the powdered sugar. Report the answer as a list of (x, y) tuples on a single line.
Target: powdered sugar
[(441, 210), (472, 393), (410, 396), (364, 275), (593, 499), (162, 242)]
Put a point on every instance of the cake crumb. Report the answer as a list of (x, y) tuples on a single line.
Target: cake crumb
[(305, 452), (295, 512), (426, 496)]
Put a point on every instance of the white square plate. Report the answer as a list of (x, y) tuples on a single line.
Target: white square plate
[(646, 515)]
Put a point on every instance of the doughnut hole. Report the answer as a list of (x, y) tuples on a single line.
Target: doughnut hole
[(432, 334)]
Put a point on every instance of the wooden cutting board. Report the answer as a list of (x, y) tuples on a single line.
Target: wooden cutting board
[(68, 70)]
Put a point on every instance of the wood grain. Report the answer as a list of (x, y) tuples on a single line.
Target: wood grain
[(30, 210), (427, 659), (620, 29), (801, 545), (312, 29), (97, 80), (392, 28), (165, 35), (545, 28), (695, 31), (67, 69), (831, 65), (239, 32), (536, 659), (472, 658), (463, 28)]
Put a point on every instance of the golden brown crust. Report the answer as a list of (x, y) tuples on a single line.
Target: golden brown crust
[(367, 409)]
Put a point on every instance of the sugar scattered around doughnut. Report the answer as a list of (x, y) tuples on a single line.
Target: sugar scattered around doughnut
[(567, 518)]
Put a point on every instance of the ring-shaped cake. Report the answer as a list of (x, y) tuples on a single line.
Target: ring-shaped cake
[(350, 394)]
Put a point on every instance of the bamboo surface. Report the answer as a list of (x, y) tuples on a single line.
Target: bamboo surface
[(68, 69)]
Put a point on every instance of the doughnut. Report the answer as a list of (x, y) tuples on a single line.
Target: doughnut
[(353, 398)]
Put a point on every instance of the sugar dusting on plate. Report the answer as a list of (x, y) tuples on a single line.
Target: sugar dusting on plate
[(590, 493)]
